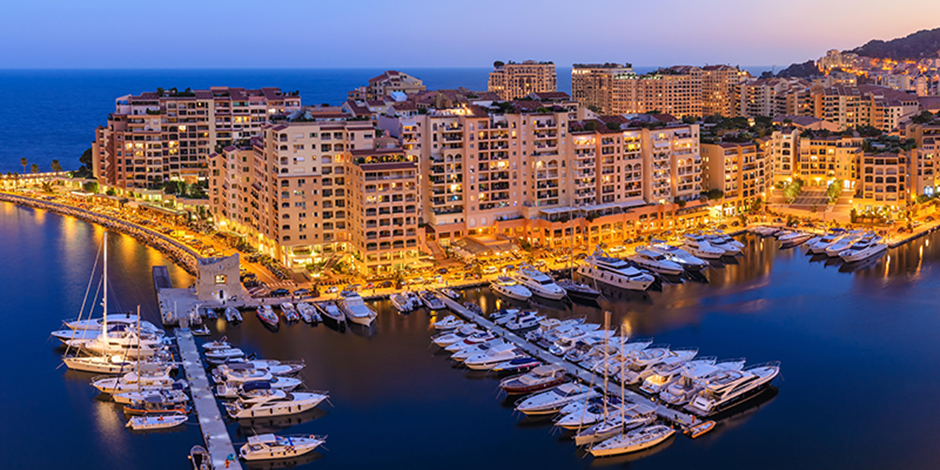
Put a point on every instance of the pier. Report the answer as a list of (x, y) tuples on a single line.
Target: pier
[(218, 442), (683, 420)]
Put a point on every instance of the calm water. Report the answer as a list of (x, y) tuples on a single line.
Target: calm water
[(55, 112), (858, 389)]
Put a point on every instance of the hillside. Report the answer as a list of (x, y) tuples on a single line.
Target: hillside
[(922, 44), (804, 70)]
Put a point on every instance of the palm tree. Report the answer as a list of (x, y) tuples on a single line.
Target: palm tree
[(34, 168), (23, 162), (56, 167)]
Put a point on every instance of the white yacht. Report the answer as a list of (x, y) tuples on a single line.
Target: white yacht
[(865, 248), (795, 238), (154, 422), (126, 343), (448, 338), (669, 371), (732, 386), (130, 382), (632, 441), (113, 364), (819, 244), (640, 365), (448, 323), (495, 355), (232, 315), (656, 262), (678, 255), (553, 400), (843, 244), (693, 378), (728, 245), (237, 389), (275, 405), (615, 272), (699, 247), (764, 231), (177, 396), (481, 348), (508, 287), (539, 283), (401, 303), (469, 341), (272, 447), (355, 309), (127, 319), (529, 319)]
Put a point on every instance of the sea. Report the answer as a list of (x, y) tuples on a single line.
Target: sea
[(52, 114), (858, 388)]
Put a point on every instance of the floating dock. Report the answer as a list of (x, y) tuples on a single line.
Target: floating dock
[(218, 442), (683, 420)]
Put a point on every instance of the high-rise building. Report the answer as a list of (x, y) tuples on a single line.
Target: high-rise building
[(391, 81), (720, 90), (737, 169), (600, 88), (167, 135), (511, 80)]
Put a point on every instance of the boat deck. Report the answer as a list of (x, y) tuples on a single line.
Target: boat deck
[(683, 420), (218, 441)]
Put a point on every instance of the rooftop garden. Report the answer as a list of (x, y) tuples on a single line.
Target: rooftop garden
[(888, 144)]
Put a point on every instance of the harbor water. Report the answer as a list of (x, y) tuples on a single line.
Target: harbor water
[(858, 385)]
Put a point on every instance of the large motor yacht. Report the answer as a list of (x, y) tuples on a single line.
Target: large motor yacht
[(510, 288), (355, 309), (656, 262), (701, 248), (539, 283), (614, 272), (732, 387)]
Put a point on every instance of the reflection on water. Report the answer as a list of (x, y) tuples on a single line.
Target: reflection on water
[(846, 341)]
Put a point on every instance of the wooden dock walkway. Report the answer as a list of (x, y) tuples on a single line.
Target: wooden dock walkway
[(218, 442), (681, 419)]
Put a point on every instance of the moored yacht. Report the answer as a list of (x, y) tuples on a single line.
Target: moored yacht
[(693, 378), (842, 244), (510, 288), (678, 255), (553, 400), (540, 378), (632, 441), (431, 300), (731, 387), (667, 372), (578, 291), (795, 238), (272, 447), (267, 315), (819, 244), (701, 248), (539, 283), (275, 405), (655, 262), (863, 249), (615, 272), (401, 302), (355, 309)]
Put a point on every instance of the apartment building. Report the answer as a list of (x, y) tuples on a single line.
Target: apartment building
[(167, 135), (781, 149), (824, 158), (383, 195), (676, 91), (884, 180), (737, 169), (384, 85), (864, 105), (721, 89), (925, 174), (515, 80), (293, 201), (601, 87)]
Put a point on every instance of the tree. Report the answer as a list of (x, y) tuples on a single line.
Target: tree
[(497, 64), (34, 168), (90, 187), (56, 167), (834, 191), (110, 192), (925, 117), (23, 162)]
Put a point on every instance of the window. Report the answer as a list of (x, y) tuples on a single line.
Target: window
[(220, 278)]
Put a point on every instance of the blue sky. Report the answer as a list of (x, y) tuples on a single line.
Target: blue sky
[(441, 33)]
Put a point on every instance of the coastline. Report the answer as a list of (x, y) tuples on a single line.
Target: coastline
[(181, 255)]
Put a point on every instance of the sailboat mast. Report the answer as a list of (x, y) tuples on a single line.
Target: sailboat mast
[(571, 251), (623, 408), (104, 327), (606, 338)]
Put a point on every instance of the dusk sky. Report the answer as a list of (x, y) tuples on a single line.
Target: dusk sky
[(420, 33)]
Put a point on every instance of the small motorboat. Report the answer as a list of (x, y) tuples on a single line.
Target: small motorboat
[(449, 322), (431, 301), (332, 312), (217, 344), (202, 331), (176, 395), (401, 303), (223, 355), (267, 315), (520, 364), (700, 429), (271, 447), (474, 308), (232, 315), (154, 422), (472, 340), (200, 459), (307, 313), (537, 379), (524, 322), (551, 401), (232, 389), (210, 314), (450, 293), (290, 313)]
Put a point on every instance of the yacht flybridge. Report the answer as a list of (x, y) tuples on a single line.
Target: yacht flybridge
[(656, 262), (732, 386), (678, 255), (698, 246), (615, 272), (539, 283), (510, 288)]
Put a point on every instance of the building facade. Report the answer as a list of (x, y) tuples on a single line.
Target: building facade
[(512, 81)]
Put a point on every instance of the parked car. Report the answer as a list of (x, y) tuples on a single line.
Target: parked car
[(539, 263), (280, 292), (490, 270), (442, 271), (332, 290)]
